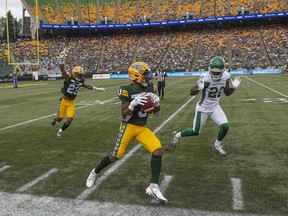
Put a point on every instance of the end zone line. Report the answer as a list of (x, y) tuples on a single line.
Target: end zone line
[(37, 180), (237, 194), (117, 164)]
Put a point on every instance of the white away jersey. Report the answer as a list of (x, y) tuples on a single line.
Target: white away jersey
[(212, 91)]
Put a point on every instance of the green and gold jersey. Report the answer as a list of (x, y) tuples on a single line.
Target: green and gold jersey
[(128, 93), (71, 87)]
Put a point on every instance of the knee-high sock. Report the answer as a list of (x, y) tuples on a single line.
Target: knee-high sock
[(156, 163), (103, 163), (223, 129)]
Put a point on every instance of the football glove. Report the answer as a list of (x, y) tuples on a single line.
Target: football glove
[(61, 57), (200, 84), (139, 100), (156, 100), (98, 89), (236, 82)]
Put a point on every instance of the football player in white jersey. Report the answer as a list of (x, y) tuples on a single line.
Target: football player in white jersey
[(212, 84)]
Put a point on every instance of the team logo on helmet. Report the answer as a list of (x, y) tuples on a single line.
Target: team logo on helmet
[(78, 73), (140, 72)]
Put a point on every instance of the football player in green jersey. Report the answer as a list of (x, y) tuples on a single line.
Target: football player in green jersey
[(133, 126), (211, 85), (72, 83)]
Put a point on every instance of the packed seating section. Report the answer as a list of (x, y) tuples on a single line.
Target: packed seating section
[(128, 11), (189, 50)]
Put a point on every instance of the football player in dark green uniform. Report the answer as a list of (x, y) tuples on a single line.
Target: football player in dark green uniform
[(133, 125), (72, 83)]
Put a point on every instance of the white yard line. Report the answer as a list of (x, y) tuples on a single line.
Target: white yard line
[(163, 186), (37, 180), (32, 101), (4, 168), (237, 194), (266, 87), (43, 117), (117, 164)]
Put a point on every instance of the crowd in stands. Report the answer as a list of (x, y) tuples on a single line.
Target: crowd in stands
[(126, 11), (242, 47)]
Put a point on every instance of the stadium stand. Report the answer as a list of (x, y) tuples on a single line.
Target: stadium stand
[(124, 11), (183, 48)]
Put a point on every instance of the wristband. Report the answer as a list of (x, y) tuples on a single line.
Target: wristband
[(131, 107)]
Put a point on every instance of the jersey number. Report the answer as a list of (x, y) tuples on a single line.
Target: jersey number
[(73, 89), (215, 92)]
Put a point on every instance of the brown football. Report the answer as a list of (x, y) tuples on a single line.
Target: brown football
[(148, 107)]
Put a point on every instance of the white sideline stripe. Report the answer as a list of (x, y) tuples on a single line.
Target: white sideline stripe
[(237, 194), (4, 168), (26, 205), (164, 185), (266, 87), (37, 119), (117, 164), (37, 180)]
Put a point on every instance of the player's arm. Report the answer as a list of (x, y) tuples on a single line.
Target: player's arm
[(198, 87), (125, 111), (64, 73), (92, 87), (194, 90), (127, 107), (61, 59), (228, 90), (157, 108)]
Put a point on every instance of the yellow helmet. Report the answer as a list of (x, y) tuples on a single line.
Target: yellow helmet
[(77, 72), (140, 72)]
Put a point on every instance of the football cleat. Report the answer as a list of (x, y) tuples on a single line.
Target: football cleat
[(59, 135), (154, 191), (53, 120), (219, 150), (174, 140), (91, 178)]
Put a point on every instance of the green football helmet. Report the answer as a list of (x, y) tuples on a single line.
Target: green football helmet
[(216, 67)]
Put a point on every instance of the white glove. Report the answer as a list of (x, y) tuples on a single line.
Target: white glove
[(156, 100), (200, 84), (236, 82), (141, 99), (99, 89), (61, 58)]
